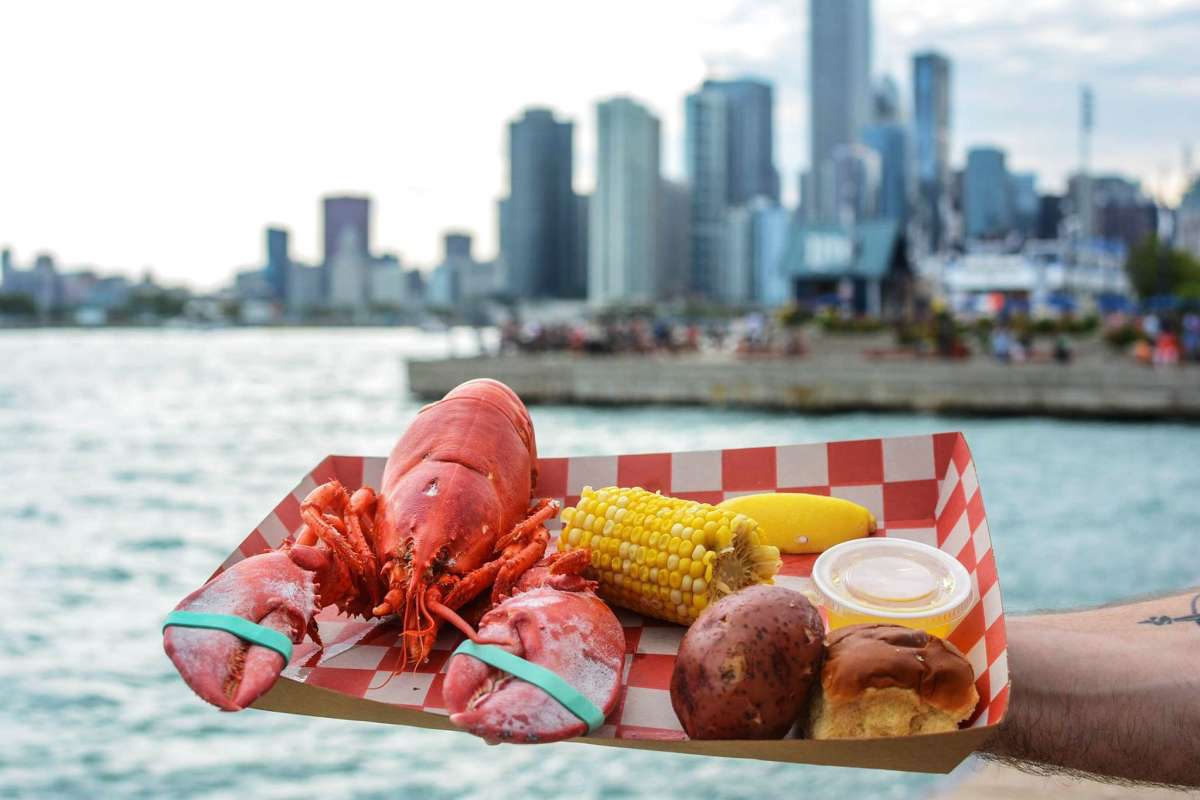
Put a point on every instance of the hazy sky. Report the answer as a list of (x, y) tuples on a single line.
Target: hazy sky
[(150, 134)]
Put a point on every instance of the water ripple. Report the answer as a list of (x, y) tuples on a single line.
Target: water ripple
[(143, 456)]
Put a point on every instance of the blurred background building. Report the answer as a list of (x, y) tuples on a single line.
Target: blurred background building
[(623, 255)]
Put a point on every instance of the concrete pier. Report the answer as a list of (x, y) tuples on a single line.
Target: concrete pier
[(1094, 388)]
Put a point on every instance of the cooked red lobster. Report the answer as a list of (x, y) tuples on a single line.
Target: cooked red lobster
[(453, 516)]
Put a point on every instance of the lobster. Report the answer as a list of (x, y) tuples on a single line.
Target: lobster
[(453, 516)]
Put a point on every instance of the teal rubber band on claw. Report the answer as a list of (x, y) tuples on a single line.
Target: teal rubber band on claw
[(548, 681), (242, 628)]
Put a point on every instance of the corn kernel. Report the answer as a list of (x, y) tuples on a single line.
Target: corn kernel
[(698, 553), (675, 580), (685, 583), (697, 569), (685, 566), (699, 586)]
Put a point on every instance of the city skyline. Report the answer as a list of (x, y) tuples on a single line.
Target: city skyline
[(179, 168)]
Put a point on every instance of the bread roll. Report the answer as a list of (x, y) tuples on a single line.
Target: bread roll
[(886, 680)]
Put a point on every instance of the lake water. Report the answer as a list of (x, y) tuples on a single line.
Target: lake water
[(133, 462)]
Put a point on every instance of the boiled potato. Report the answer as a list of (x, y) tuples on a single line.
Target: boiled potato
[(745, 667)]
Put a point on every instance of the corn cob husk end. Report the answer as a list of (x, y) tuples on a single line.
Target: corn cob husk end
[(743, 562)]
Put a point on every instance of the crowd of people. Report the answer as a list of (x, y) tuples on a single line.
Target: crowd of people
[(1168, 341), (1150, 339)]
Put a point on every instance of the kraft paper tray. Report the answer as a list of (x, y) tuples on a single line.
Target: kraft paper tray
[(918, 487)]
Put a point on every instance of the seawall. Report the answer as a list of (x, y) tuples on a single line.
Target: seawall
[(1101, 389)]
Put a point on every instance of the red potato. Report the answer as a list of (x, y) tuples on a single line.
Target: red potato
[(745, 667)]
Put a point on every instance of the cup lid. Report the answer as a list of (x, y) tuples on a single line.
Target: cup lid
[(891, 578)]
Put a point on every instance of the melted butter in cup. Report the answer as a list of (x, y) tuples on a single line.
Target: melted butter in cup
[(894, 581)]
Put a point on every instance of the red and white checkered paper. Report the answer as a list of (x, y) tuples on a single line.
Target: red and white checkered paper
[(918, 487)]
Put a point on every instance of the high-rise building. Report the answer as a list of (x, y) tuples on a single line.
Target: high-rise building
[(674, 239), (730, 161), (707, 146), (885, 100), (278, 260), (839, 55), (623, 242), (539, 217), (6, 269), (851, 177), (931, 113), (736, 286), (459, 277), (1024, 202), (341, 214), (890, 141), (1120, 211), (348, 273), (305, 291), (755, 241), (1050, 216), (751, 139), (987, 194), (772, 287), (456, 244), (1187, 216)]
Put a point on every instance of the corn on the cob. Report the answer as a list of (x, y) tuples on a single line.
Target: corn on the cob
[(662, 556)]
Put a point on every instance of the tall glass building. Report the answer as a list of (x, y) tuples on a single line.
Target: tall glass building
[(987, 194), (931, 111), (890, 142), (839, 88), (623, 241), (730, 159), (347, 223), (539, 219)]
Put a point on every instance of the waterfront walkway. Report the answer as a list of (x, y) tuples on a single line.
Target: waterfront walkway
[(1090, 387)]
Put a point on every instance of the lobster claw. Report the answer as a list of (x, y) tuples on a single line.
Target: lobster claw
[(573, 634), (276, 590)]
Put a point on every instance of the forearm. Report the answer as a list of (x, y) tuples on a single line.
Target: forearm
[(1113, 691)]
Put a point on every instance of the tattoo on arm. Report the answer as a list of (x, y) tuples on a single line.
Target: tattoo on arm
[(1168, 620)]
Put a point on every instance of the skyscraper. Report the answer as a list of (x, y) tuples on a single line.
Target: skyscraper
[(730, 161), (707, 146), (751, 143), (623, 242), (674, 239), (539, 218), (851, 177), (278, 262), (839, 55), (987, 193), (1024, 202), (931, 109), (890, 141), (342, 213)]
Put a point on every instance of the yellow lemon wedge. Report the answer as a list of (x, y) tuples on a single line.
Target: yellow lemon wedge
[(803, 523)]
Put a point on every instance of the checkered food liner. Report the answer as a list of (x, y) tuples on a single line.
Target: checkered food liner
[(922, 488)]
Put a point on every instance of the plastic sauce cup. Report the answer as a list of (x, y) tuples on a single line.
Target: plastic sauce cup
[(893, 581)]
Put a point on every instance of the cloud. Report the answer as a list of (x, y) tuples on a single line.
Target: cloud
[(1018, 68), (141, 133)]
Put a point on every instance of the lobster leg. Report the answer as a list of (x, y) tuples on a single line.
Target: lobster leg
[(517, 551), (520, 561)]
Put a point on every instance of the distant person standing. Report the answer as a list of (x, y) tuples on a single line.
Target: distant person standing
[(1191, 336), (1001, 344), (1062, 349)]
